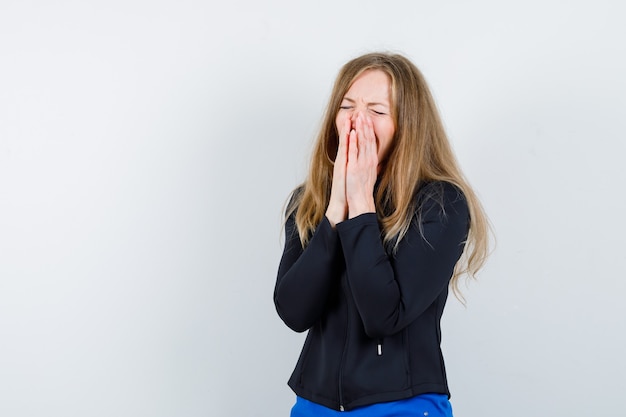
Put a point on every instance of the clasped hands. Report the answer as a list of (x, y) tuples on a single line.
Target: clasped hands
[(355, 170)]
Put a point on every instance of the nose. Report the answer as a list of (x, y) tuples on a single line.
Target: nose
[(354, 115)]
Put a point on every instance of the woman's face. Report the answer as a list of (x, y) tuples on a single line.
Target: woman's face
[(370, 95)]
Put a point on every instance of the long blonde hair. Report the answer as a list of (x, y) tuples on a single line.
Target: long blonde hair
[(420, 152)]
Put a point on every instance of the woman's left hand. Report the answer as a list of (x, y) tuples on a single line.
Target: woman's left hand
[(362, 168)]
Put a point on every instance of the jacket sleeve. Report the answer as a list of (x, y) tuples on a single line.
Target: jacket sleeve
[(390, 291), (306, 276)]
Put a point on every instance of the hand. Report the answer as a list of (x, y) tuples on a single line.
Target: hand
[(361, 171), (337, 210)]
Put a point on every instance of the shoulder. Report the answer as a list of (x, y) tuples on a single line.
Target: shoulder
[(293, 200), (296, 193), (439, 191), (441, 199)]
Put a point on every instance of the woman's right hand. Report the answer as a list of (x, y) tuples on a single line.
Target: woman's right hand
[(337, 210)]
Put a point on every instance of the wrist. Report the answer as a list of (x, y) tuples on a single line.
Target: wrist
[(356, 209), (335, 215)]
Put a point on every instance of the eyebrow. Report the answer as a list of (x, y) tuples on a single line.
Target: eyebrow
[(374, 103)]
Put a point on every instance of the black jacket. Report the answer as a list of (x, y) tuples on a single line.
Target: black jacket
[(373, 316)]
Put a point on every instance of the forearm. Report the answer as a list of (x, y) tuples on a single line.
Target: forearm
[(306, 277), (370, 273), (392, 291)]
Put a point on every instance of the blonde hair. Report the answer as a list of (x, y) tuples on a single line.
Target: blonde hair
[(420, 152)]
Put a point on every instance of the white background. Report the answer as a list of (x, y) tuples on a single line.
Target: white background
[(147, 147)]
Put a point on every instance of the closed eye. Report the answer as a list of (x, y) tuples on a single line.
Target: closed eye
[(379, 113)]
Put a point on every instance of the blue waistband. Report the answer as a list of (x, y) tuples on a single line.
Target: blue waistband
[(425, 405)]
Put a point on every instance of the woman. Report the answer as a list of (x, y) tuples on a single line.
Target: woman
[(384, 223)]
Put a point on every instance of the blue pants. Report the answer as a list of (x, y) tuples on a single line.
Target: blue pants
[(425, 405)]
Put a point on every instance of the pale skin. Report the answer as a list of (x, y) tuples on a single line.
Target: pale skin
[(366, 130)]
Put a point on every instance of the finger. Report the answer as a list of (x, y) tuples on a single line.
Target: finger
[(366, 136), (344, 131), (367, 128), (342, 146), (353, 149), (368, 131)]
